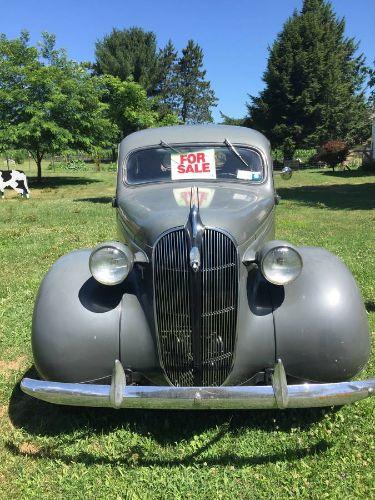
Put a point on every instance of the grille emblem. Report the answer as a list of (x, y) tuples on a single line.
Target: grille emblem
[(195, 259)]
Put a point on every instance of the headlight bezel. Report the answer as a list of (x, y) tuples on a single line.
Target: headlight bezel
[(270, 247), (119, 247)]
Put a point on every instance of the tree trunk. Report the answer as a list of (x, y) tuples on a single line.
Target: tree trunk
[(184, 111), (39, 165), (114, 155)]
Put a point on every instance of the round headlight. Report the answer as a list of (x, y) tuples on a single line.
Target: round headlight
[(110, 263), (281, 265)]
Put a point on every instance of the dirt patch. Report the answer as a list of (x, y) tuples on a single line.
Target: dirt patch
[(29, 449), (3, 411), (11, 366)]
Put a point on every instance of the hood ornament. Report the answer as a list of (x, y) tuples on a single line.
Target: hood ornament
[(195, 230)]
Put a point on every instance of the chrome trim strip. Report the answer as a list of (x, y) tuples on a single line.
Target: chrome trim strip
[(195, 230), (205, 398)]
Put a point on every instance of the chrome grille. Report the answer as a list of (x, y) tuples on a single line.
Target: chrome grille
[(219, 305), (175, 305), (171, 284)]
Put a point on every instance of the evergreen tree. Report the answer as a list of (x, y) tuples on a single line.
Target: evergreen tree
[(230, 120), (166, 79), (372, 85), (314, 83), (191, 94), (129, 54)]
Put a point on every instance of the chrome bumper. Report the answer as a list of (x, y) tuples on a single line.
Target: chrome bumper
[(279, 395)]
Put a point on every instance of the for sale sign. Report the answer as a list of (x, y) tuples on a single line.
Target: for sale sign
[(193, 165)]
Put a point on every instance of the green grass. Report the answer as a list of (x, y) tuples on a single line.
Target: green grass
[(61, 452)]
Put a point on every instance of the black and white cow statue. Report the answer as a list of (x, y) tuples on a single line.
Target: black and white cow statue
[(15, 179)]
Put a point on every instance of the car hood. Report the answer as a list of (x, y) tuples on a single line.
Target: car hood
[(147, 211)]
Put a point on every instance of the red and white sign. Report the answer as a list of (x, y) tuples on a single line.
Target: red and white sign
[(193, 165)]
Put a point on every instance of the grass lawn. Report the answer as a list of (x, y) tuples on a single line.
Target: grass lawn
[(61, 452)]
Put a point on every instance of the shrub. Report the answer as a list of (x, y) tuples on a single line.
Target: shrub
[(74, 165), (333, 153), (109, 167), (278, 157), (19, 156), (306, 156)]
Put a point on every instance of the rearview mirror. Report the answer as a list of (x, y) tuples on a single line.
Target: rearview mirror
[(286, 173)]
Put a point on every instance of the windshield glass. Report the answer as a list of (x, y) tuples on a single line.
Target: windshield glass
[(170, 163)]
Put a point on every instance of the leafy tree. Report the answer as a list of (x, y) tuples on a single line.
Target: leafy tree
[(129, 54), (130, 108), (314, 83), (48, 103), (191, 94)]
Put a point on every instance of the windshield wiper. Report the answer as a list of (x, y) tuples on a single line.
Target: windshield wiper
[(166, 145), (232, 148)]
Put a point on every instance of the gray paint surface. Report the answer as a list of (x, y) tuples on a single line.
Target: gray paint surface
[(181, 134), (75, 333), (321, 326), (147, 211)]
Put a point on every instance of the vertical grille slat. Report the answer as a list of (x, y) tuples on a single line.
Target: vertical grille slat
[(174, 304)]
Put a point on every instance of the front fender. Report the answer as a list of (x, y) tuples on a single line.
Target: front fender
[(75, 334), (321, 326), (81, 327)]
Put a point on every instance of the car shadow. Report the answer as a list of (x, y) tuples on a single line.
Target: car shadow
[(57, 181), (192, 458), (166, 427), (334, 196)]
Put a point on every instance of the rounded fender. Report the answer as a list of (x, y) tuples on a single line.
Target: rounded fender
[(321, 326), (76, 322)]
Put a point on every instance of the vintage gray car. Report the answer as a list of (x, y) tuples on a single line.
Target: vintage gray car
[(197, 305)]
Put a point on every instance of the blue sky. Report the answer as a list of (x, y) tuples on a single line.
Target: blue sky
[(234, 34)]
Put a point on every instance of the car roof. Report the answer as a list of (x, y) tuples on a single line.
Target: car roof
[(179, 134)]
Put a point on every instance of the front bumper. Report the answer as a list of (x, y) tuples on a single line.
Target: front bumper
[(279, 395)]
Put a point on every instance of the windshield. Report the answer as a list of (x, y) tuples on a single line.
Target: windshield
[(174, 163)]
